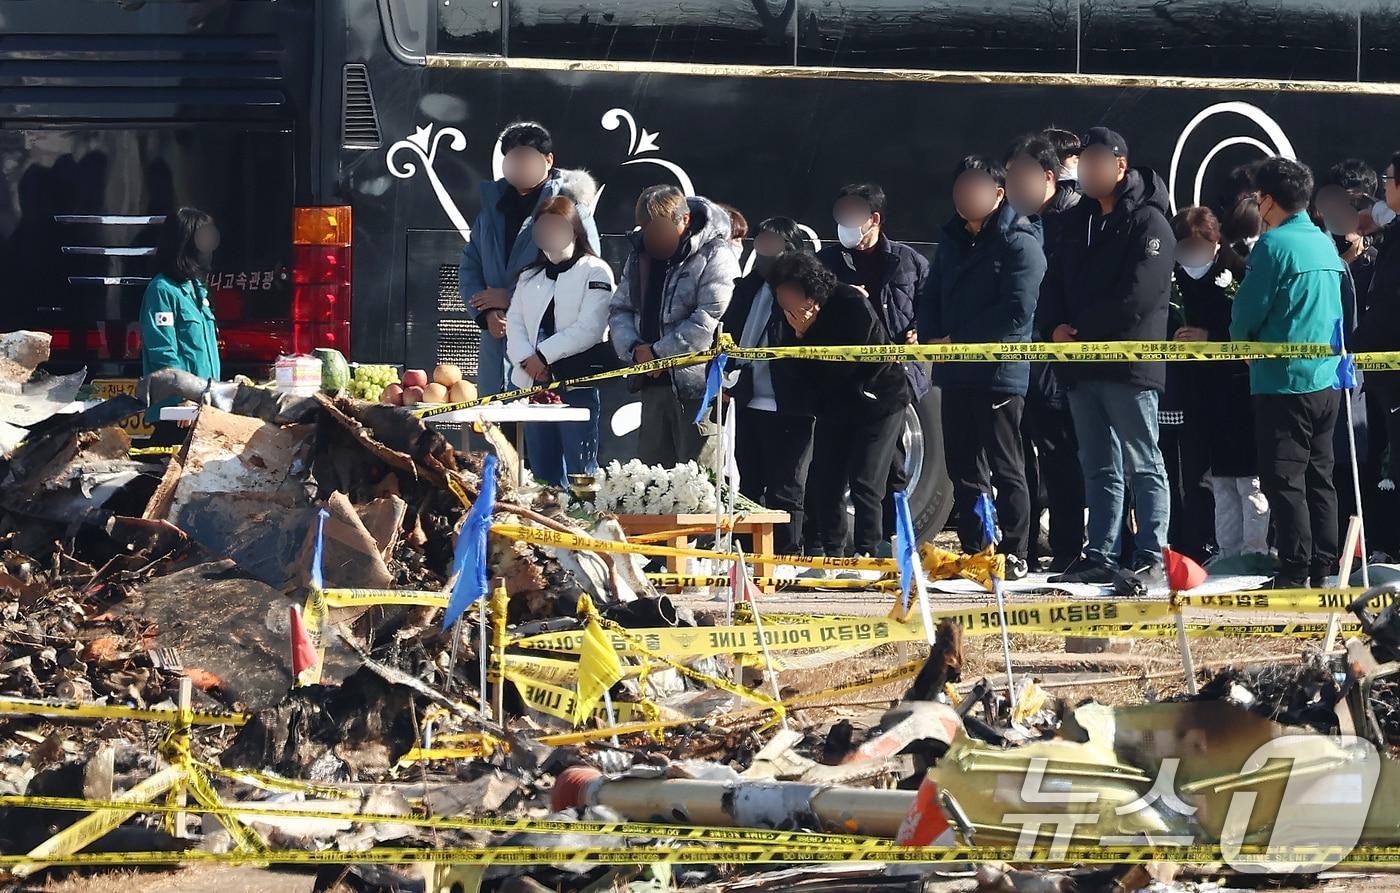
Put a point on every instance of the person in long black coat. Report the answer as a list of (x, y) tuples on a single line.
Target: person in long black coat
[(1214, 396)]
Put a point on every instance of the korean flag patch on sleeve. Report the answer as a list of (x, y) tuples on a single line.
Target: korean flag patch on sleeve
[(165, 319)]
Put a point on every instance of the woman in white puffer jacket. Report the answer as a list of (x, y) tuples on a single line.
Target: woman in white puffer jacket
[(558, 315)]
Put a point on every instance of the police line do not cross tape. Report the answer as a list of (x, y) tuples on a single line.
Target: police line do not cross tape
[(989, 352)]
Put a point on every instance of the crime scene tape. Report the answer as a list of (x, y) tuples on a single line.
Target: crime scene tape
[(1037, 351), (1281, 629), (1302, 601), (561, 540), (558, 701), (551, 670), (140, 452), (276, 784), (713, 580), (1274, 860), (706, 641), (1065, 352), (44, 707), (252, 810), (355, 598), (658, 365)]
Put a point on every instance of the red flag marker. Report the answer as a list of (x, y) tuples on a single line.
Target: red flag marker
[(303, 649), (750, 591), (1183, 572)]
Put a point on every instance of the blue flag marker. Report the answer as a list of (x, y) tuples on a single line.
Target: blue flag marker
[(469, 560), (905, 546), (1346, 369), (713, 382), (987, 511), (317, 580)]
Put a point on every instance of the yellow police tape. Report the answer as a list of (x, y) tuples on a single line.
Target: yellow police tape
[(1070, 352), (140, 452), (562, 540), (558, 701), (1302, 601), (1272, 860), (710, 580), (43, 707), (252, 811), (706, 641)]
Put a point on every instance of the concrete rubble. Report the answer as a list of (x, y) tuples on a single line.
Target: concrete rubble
[(121, 574)]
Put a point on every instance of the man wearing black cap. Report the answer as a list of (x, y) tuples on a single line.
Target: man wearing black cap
[(1111, 281)]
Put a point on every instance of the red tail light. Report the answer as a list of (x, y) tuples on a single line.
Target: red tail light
[(321, 279)]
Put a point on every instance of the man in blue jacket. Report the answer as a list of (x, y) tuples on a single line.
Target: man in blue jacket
[(502, 238), (1292, 292), (983, 286)]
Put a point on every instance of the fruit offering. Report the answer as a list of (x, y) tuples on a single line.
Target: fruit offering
[(413, 387), (370, 381)]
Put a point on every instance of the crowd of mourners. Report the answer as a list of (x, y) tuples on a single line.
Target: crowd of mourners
[(1059, 238)]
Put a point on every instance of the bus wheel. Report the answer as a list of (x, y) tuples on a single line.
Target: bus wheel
[(930, 491)]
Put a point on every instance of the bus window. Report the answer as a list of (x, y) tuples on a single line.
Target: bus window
[(407, 22), (1380, 43), (752, 32), (963, 35), (1285, 39), (471, 27)]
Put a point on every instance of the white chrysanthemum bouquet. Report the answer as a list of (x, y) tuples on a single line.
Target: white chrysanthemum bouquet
[(637, 489)]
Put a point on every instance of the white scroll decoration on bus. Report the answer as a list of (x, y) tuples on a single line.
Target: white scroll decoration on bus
[(1278, 143), (424, 143), (640, 143)]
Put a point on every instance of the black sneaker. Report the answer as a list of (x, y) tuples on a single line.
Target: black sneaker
[(1061, 563), (1127, 584), (1151, 573), (1282, 582), (1086, 570), (1016, 568)]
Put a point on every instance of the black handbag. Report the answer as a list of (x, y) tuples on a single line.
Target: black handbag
[(595, 360)]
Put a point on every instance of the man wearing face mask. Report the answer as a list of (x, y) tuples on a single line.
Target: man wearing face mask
[(1036, 187), (674, 288), (892, 275), (1292, 292), (983, 287), (1342, 206), (1111, 281), (1380, 329), (501, 246), (773, 437)]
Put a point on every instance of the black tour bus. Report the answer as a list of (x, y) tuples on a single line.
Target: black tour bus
[(340, 142)]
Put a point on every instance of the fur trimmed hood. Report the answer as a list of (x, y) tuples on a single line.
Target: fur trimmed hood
[(579, 185)]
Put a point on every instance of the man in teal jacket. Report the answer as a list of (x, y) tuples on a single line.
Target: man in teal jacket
[(1292, 292)]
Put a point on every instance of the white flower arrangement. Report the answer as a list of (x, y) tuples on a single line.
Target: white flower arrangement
[(1225, 279), (637, 489)]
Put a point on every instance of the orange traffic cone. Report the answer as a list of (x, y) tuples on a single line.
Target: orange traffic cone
[(303, 649)]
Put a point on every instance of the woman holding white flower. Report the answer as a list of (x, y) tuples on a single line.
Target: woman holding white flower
[(555, 329), (1215, 395)]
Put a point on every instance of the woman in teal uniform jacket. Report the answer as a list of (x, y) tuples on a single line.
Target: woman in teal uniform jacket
[(177, 322)]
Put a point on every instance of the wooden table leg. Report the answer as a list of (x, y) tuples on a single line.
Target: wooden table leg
[(676, 563), (763, 545)]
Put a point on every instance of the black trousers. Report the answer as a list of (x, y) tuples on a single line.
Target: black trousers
[(1192, 526), (856, 454), (982, 449), (773, 451), (1053, 475), (1293, 434), (898, 480)]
